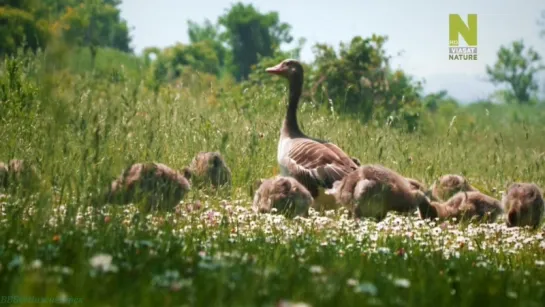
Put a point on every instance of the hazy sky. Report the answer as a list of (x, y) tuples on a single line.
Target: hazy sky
[(419, 28)]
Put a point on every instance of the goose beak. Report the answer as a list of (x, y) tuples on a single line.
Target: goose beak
[(276, 70)]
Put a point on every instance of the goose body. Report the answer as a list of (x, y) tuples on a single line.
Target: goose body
[(315, 163)]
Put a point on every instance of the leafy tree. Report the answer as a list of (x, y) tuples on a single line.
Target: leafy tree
[(20, 27), (252, 34), (96, 23), (172, 61), (360, 81), (92, 23), (517, 67), (210, 33)]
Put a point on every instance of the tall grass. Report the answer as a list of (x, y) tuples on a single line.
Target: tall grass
[(82, 130)]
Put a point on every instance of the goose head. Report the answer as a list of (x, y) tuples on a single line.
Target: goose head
[(289, 69)]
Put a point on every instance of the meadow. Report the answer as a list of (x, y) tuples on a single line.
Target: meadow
[(81, 130)]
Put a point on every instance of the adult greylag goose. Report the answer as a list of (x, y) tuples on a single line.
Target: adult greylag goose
[(523, 203), (314, 163), (374, 190), (471, 205)]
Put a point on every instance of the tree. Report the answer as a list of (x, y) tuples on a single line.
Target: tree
[(252, 34), (517, 67), (93, 24), (172, 61), (21, 27), (359, 81), (210, 33)]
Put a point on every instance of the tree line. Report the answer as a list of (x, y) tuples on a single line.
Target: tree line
[(356, 79)]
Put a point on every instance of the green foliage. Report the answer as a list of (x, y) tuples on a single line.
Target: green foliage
[(84, 131), (517, 67), (93, 23), (208, 33), (18, 90), (251, 34), (172, 61), (20, 28), (360, 81)]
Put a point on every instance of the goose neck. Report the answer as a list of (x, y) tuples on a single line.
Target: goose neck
[(291, 127)]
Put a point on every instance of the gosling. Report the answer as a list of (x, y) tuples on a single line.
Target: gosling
[(472, 205), (285, 194), (416, 185), (523, 203), (3, 175), (374, 190), (18, 173), (447, 186), (210, 168), (157, 185)]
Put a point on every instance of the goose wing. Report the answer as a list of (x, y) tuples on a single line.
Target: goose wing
[(315, 163)]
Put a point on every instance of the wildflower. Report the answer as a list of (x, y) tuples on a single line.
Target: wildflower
[(103, 262), (367, 288), (284, 303), (383, 250), (36, 264), (351, 282), (402, 283), (316, 269), (512, 294)]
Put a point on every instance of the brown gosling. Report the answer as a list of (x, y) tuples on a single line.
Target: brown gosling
[(416, 185), (447, 186), (374, 190), (523, 203), (155, 184), (285, 194), (19, 173), (472, 205), (3, 175), (210, 168)]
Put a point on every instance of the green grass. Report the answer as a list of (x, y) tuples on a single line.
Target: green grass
[(83, 131)]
